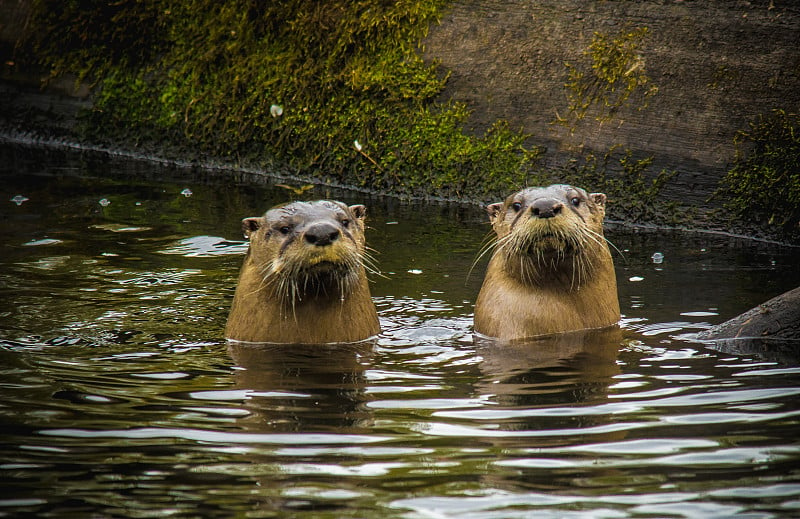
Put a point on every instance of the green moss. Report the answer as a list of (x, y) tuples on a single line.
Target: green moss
[(206, 74), (89, 37), (614, 73), (764, 182), (634, 192)]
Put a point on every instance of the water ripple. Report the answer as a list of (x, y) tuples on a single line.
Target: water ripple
[(629, 407), (218, 436), (206, 247)]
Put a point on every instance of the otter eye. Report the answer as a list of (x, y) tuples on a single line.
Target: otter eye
[(575, 201), (285, 229), (516, 206), (345, 223)]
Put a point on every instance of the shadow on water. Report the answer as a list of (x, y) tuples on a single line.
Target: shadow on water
[(303, 387), (564, 369), (530, 384)]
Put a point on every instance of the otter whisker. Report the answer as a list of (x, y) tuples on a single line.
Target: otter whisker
[(588, 235), (622, 254), (265, 279), (370, 263), (488, 245), (575, 262), (293, 285)]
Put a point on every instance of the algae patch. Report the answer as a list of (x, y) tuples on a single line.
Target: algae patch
[(763, 184), (614, 76)]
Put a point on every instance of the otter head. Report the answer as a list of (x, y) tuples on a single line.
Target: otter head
[(308, 250), (549, 235)]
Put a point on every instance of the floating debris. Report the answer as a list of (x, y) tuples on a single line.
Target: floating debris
[(415, 271), (699, 314), (119, 227), (299, 190), (43, 241)]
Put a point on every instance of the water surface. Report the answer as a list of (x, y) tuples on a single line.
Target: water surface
[(120, 398)]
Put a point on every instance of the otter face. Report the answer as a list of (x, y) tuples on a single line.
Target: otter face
[(308, 249), (543, 232)]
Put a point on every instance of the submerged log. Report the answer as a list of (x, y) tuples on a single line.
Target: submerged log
[(778, 318), (770, 330)]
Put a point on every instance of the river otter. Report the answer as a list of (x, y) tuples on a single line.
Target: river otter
[(551, 271), (303, 279)]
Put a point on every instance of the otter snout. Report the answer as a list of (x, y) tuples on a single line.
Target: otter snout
[(546, 207), (321, 234)]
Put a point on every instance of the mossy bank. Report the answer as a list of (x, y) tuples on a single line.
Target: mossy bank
[(334, 90), (386, 97)]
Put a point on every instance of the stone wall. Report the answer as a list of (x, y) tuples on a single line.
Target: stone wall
[(717, 66)]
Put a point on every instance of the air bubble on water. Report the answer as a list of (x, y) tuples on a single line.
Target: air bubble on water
[(19, 199), (187, 192), (657, 258), (104, 202), (276, 110), (636, 278)]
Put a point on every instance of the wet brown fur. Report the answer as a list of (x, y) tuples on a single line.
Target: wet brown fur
[(551, 270), (292, 290)]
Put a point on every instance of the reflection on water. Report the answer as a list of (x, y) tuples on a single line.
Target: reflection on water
[(280, 380), (121, 399)]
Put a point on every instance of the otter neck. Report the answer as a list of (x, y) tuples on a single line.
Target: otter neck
[(562, 269), (259, 315), (328, 286)]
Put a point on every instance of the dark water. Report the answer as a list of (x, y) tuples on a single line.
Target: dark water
[(119, 397)]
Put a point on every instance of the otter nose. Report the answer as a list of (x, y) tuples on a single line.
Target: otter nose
[(321, 234), (546, 208)]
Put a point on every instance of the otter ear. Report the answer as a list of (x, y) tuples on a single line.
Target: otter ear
[(252, 224), (494, 210), (358, 210), (599, 199)]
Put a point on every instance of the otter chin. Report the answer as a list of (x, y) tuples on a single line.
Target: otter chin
[(551, 270), (303, 279)]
